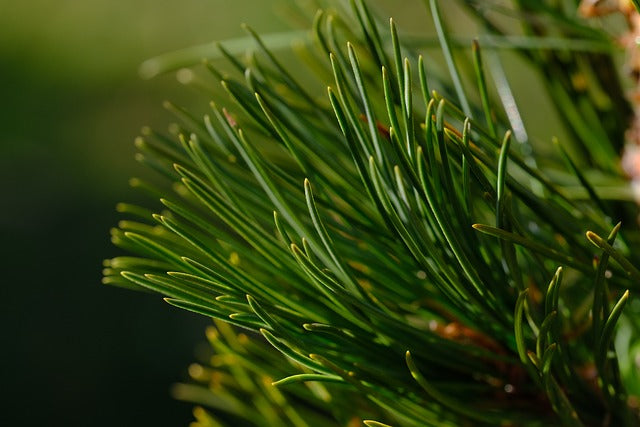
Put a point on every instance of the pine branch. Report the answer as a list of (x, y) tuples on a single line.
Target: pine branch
[(350, 234)]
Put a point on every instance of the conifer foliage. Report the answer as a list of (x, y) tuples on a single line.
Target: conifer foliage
[(390, 250)]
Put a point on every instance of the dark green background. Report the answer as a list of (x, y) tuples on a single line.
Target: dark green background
[(75, 352)]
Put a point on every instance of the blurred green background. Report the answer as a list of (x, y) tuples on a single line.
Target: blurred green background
[(76, 352)]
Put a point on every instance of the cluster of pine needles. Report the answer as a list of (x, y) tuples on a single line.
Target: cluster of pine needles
[(390, 250)]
